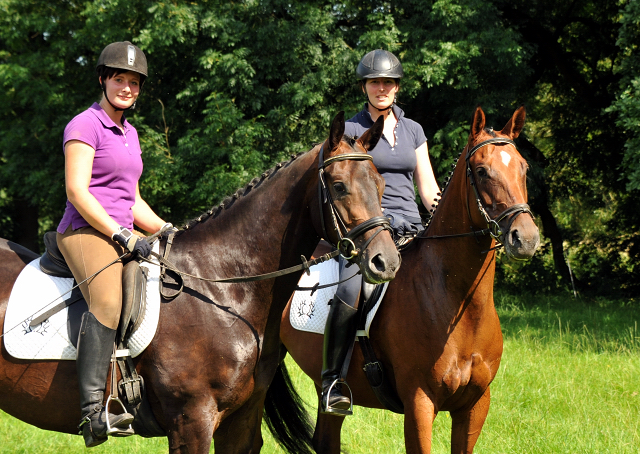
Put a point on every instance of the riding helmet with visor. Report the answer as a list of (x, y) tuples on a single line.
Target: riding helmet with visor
[(379, 63), (125, 56)]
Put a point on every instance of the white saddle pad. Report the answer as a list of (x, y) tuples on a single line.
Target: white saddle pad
[(35, 292), (309, 312)]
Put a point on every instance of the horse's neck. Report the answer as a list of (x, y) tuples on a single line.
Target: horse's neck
[(271, 221), (466, 259)]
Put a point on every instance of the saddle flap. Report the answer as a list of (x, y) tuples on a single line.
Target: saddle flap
[(134, 293)]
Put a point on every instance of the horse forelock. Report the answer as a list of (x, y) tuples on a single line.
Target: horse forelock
[(228, 201), (351, 140), (491, 132)]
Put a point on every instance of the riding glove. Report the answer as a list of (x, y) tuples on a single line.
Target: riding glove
[(133, 243), (401, 226)]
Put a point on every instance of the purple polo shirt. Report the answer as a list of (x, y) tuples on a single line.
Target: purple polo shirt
[(117, 166)]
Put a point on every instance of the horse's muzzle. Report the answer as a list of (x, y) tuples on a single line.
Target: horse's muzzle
[(522, 240), (380, 266)]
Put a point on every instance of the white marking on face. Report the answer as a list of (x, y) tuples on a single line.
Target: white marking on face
[(506, 158)]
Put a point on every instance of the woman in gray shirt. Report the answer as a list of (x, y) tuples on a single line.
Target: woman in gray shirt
[(401, 156)]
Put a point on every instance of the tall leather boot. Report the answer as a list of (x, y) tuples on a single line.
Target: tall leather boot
[(95, 347), (339, 333)]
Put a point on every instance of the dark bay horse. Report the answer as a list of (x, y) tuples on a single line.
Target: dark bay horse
[(217, 346), (437, 333)]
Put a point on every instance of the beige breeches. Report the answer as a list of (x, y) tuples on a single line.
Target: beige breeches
[(87, 251)]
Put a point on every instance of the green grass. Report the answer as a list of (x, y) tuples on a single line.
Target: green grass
[(569, 383)]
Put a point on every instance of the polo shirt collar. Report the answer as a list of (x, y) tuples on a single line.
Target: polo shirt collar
[(105, 119)]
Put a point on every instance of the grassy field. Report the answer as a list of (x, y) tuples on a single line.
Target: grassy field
[(569, 383)]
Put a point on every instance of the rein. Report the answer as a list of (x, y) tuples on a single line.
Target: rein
[(493, 225), (345, 246)]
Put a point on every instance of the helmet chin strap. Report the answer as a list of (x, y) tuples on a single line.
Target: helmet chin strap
[(381, 110), (377, 108)]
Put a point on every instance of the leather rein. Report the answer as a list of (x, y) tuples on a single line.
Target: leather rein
[(493, 225), (345, 245)]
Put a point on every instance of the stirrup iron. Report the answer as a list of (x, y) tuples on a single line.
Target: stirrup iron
[(325, 405), (116, 431)]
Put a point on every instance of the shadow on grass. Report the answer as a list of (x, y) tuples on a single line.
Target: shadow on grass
[(595, 325)]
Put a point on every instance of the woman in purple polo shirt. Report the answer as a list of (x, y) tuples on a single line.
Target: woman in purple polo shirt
[(401, 156), (102, 167)]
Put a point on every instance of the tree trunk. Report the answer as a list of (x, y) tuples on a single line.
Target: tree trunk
[(539, 203), (26, 225)]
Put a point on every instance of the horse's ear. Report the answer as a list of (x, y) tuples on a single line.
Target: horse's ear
[(337, 131), (515, 124), (370, 138), (477, 122)]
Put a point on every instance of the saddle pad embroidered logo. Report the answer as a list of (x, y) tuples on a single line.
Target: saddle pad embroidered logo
[(35, 292), (309, 312)]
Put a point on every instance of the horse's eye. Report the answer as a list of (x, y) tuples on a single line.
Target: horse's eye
[(482, 172), (340, 188)]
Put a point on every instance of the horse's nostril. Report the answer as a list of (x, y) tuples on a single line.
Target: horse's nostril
[(515, 238), (379, 263)]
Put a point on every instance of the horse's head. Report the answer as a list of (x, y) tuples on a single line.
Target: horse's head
[(351, 193), (498, 183)]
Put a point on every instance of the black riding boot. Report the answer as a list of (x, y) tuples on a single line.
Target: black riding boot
[(95, 347), (339, 333)]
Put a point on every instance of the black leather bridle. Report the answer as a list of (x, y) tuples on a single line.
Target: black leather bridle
[(493, 225), (346, 238), (345, 246)]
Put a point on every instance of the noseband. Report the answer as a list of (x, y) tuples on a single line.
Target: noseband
[(346, 242), (493, 225)]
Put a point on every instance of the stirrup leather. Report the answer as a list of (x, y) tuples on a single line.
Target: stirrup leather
[(113, 397), (324, 402)]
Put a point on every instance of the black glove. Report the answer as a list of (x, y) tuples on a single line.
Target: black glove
[(133, 243), (401, 226)]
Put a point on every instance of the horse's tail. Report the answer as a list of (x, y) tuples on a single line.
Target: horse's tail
[(285, 415)]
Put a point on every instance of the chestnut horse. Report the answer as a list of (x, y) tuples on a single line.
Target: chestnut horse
[(217, 346), (437, 333)]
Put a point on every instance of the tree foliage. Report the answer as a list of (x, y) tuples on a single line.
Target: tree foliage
[(237, 86)]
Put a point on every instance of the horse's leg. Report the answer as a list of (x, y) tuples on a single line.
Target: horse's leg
[(240, 432), (191, 427), (326, 437), (467, 424), (419, 413)]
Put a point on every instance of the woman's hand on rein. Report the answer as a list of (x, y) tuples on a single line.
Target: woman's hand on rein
[(133, 243)]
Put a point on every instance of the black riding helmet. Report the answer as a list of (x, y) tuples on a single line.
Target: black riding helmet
[(125, 56), (379, 63)]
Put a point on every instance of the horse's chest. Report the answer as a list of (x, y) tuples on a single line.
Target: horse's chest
[(463, 376)]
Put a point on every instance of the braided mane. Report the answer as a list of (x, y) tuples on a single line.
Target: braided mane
[(257, 181), (228, 201), (447, 180)]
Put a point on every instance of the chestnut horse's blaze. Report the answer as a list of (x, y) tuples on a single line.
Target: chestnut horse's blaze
[(217, 346), (437, 333)]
